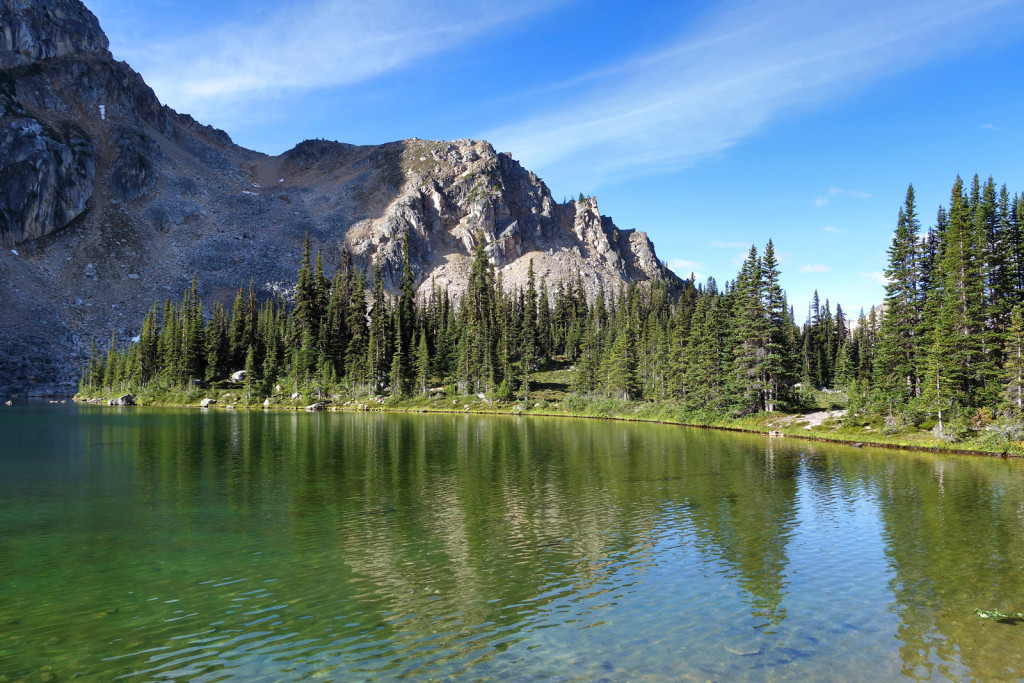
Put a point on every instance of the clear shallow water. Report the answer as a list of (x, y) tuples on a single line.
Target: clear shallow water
[(173, 544)]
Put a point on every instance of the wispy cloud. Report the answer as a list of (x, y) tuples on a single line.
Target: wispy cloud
[(875, 275), (831, 229), (728, 245), (840, 192), (816, 268), (742, 68), (989, 126), (684, 268), (310, 44)]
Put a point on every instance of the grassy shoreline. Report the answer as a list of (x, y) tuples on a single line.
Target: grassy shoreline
[(834, 428)]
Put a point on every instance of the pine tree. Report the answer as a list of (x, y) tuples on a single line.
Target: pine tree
[(957, 365), (378, 359), (218, 347), (900, 324), (239, 334), (398, 370), (1013, 368), (306, 318), (773, 304), (149, 344), (356, 367), (623, 381), (544, 324), (250, 370), (422, 362), (749, 338), (528, 348)]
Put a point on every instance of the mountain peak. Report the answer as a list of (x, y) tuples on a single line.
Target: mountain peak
[(110, 200)]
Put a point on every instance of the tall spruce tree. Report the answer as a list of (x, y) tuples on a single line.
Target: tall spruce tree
[(896, 360)]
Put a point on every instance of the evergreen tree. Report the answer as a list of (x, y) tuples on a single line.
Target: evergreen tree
[(749, 339), (1013, 369), (528, 349), (378, 359), (900, 324), (957, 330), (623, 381), (422, 363), (775, 378), (250, 370)]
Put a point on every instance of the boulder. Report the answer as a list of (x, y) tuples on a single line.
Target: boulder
[(207, 402), (238, 376), (315, 407), (266, 403), (123, 400)]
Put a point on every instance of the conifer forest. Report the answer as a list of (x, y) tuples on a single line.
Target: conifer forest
[(945, 349)]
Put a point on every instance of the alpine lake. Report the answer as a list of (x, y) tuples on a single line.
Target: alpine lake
[(177, 544)]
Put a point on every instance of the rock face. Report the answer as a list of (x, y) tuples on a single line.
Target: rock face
[(31, 30), (44, 181), (113, 200)]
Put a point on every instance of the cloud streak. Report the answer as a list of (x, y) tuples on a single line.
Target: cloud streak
[(684, 268), (875, 275), (840, 192), (309, 45), (742, 68)]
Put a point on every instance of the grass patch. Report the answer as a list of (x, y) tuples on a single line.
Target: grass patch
[(550, 396)]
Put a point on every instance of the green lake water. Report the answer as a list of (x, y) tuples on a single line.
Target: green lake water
[(160, 544)]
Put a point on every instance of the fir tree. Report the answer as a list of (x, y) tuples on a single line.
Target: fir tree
[(1013, 369), (897, 336)]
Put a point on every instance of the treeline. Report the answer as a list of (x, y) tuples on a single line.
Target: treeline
[(949, 335)]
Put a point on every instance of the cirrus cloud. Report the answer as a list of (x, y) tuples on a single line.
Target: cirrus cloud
[(746, 65)]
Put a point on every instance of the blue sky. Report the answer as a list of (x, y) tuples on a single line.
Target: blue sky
[(711, 126)]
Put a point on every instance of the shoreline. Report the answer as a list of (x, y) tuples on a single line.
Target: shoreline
[(474, 408)]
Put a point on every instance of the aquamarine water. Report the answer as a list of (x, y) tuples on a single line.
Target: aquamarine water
[(159, 544)]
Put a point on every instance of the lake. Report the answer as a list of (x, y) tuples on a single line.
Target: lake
[(154, 544)]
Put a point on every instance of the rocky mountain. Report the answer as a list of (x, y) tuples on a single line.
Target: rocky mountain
[(110, 200)]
